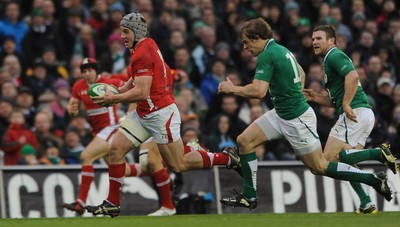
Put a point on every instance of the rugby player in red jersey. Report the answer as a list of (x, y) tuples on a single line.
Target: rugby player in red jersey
[(156, 115), (104, 122)]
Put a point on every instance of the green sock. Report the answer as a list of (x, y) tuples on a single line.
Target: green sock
[(249, 170), (353, 156), (342, 171), (362, 192)]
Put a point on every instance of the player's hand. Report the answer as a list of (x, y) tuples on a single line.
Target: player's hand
[(106, 99), (73, 107), (225, 86), (310, 94), (349, 113)]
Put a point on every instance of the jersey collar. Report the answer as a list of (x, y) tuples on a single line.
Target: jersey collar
[(329, 51), (266, 45)]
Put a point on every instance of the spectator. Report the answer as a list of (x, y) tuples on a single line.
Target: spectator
[(25, 102), (6, 108), (204, 53), (12, 25), (13, 66), (40, 82), (54, 67), (99, 15), (72, 149), (28, 156), (9, 47), (8, 90), (86, 44), (17, 136), (59, 105), (384, 98), (52, 156), (184, 62), (221, 137), (116, 59), (44, 133), (211, 80)]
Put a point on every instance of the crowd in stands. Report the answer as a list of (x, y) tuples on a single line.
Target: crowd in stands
[(44, 41)]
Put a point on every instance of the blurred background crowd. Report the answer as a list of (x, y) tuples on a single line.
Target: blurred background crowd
[(44, 41)]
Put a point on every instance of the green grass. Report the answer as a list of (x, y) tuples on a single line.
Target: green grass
[(381, 219)]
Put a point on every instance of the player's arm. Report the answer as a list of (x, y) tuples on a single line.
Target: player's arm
[(258, 89), (350, 89), (139, 92), (302, 75), (321, 99), (127, 86), (73, 106)]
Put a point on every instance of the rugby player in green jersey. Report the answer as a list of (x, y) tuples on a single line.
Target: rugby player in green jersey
[(356, 119), (292, 118)]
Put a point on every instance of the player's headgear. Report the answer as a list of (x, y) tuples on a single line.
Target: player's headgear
[(137, 23), (89, 63)]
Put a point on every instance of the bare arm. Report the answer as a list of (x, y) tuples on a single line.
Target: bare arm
[(73, 106), (257, 89), (302, 75), (138, 93), (128, 85), (350, 89), (321, 99)]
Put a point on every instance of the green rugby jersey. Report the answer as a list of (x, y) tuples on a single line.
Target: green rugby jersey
[(279, 68), (337, 65)]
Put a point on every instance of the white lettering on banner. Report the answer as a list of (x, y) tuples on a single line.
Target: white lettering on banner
[(279, 196), (52, 181), (136, 185), (312, 193), (394, 183), (14, 200), (49, 195)]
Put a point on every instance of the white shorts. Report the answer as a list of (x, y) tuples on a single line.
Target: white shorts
[(301, 132), (163, 125), (351, 132), (107, 133)]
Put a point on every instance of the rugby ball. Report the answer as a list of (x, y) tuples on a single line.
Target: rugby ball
[(98, 89)]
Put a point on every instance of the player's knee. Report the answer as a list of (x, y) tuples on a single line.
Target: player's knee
[(177, 168), (244, 143), (85, 158), (331, 157), (116, 153), (317, 169)]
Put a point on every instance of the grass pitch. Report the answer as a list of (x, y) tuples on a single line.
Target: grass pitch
[(381, 219)]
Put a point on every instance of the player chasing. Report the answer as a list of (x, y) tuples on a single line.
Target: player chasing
[(356, 119), (156, 115), (292, 118), (104, 121)]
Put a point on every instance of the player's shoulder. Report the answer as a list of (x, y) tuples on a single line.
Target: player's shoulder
[(335, 55), (79, 84)]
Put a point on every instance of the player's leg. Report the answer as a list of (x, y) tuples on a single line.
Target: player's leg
[(96, 149), (160, 176), (318, 165), (354, 135), (130, 135), (255, 134), (301, 133), (332, 149)]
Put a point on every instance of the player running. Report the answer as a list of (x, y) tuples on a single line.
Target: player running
[(104, 122), (156, 115)]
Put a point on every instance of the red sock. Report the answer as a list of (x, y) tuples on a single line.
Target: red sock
[(186, 149), (136, 170), (220, 159), (206, 159), (162, 180), (117, 174), (87, 176)]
